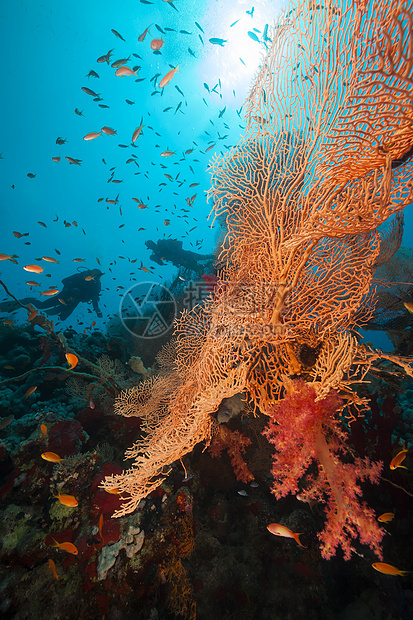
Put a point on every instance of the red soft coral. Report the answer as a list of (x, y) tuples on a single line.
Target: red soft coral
[(235, 443), (304, 430)]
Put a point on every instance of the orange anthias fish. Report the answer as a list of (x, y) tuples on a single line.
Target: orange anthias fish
[(72, 360), (124, 71), (168, 77), (52, 457), (50, 259), (52, 567), (386, 517), (66, 546), (43, 428), (114, 491), (50, 292), (33, 268), (137, 131), (67, 500), (388, 569), (30, 391), (399, 458), (409, 306), (92, 135), (101, 525), (156, 44), (281, 530)]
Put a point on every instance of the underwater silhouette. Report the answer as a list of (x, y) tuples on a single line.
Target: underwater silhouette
[(171, 250), (80, 287)]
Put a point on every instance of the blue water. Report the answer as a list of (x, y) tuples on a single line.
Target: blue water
[(48, 49)]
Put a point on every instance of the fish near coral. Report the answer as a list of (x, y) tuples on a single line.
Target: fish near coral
[(30, 391), (67, 500), (388, 569), (66, 546), (72, 360), (52, 567), (399, 458), (52, 457), (282, 530)]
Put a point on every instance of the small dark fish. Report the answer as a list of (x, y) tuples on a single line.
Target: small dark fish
[(102, 105), (216, 41), (116, 33), (198, 26), (179, 91), (88, 91), (191, 52), (92, 74), (130, 102), (233, 23), (207, 87), (222, 112), (159, 28), (167, 109), (145, 2), (169, 29), (60, 140), (201, 39), (185, 32)]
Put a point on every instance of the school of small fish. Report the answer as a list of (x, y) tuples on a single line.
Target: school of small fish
[(182, 165)]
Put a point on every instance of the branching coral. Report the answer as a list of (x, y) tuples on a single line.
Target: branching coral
[(304, 430), (303, 196)]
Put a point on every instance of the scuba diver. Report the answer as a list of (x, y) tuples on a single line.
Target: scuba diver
[(80, 287), (171, 250)]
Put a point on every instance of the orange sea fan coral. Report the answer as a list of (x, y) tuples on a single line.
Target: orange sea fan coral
[(303, 195)]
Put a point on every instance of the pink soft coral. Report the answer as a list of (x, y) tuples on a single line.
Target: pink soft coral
[(304, 430), (235, 443)]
